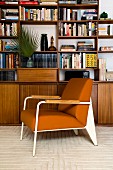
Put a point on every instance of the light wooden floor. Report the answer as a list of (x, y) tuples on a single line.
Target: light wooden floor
[(55, 150)]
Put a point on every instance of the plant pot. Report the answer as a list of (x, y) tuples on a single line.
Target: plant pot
[(30, 63)]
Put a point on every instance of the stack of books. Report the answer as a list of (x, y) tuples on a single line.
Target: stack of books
[(85, 46), (9, 14), (67, 48), (106, 48), (102, 30), (89, 14)]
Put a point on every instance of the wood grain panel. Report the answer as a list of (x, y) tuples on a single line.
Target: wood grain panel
[(104, 100), (111, 103), (39, 89), (37, 75), (9, 104)]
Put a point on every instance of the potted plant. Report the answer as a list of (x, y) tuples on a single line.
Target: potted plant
[(27, 43)]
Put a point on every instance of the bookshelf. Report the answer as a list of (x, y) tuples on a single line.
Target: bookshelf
[(73, 24)]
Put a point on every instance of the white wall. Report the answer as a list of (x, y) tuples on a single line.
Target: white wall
[(107, 6)]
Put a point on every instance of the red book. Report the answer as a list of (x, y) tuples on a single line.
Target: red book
[(2, 2), (29, 2)]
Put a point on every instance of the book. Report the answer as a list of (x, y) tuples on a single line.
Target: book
[(67, 48), (29, 2)]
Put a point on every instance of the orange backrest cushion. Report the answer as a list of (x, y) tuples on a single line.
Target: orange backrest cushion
[(77, 89)]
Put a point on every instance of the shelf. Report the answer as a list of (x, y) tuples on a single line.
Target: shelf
[(8, 69), (105, 21), (77, 21), (90, 68), (27, 22), (7, 21), (8, 37), (77, 37), (9, 5), (46, 52), (105, 36), (39, 5), (77, 51), (8, 51), (105, 51), (79, 6)]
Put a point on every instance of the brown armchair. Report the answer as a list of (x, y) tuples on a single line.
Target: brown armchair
[(74, 111)]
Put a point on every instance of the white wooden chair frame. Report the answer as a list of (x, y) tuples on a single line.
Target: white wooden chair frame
[(90, 126)]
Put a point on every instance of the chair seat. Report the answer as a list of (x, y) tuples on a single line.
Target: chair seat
[(49, 120)]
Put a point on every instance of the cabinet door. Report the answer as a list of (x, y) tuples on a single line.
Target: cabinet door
[(9, 104), (37, 89), (105, 103)]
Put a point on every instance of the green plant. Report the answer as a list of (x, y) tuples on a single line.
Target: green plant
[(27, 42)]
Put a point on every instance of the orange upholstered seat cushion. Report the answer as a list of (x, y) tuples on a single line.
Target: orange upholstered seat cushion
[(49, 120)]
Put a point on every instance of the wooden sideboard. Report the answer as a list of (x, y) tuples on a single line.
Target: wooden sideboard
[(12, 95)]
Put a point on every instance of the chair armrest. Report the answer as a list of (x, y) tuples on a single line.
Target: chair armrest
[(39, 97), (44, 97), (62, 101)]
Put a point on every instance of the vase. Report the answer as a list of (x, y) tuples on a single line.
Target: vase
[(44, 42), (30, 63)]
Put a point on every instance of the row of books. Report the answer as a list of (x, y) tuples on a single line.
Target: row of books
[(78, 1), (67, 1), (8, 29), (7, 75), (38, 14), (45, 60), (67, 14), (45, 2), (78, 60), (74, 14), (9, 60), (76, 29), (19, 2), (89, 2)]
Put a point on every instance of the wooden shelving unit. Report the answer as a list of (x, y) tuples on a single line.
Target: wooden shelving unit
[(49, 81)]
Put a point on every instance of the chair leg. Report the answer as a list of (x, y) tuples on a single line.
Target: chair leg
[(75, 131), (90, 127), (22, 127), (34, 146)]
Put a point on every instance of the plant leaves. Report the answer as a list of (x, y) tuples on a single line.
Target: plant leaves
[(27, 42)]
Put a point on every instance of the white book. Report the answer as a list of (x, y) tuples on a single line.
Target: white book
[(74, 29), (73, 60), (68, 14), (42, 14), (84, 60)]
